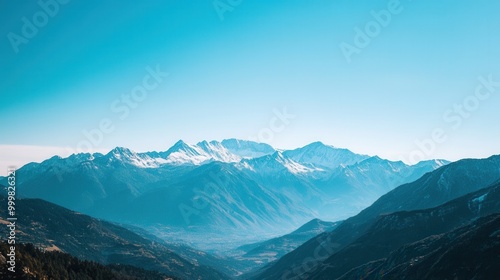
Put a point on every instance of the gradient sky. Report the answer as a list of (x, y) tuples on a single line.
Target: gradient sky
[(227, 75)]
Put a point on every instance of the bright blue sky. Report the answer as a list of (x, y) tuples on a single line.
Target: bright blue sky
[(227, 76)]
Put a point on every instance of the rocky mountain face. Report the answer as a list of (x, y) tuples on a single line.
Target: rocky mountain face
[(468, 252), (392, 231)]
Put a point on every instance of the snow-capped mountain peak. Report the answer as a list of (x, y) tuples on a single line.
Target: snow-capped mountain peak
[(127, 156), (320, 155), (435, 163), (218, 152), (120, 151), (203, 152), (276, 162), (247, 149)]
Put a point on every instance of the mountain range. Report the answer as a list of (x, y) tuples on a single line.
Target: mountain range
[(318, 257), (233, 185), (54, 228), (244, 191), (392, 231)]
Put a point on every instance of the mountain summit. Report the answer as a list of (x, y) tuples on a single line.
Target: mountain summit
[(324, 156)]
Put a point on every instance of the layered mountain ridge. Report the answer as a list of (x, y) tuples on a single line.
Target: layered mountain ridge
[(51, 227), (233, 185), (360, 238), (210, 192)]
